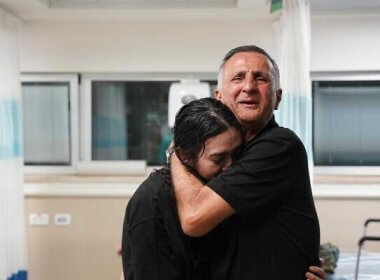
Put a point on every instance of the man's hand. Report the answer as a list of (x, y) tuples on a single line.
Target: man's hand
[(315, 273)]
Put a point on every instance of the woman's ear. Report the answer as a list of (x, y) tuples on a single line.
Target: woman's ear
[(183, 157)]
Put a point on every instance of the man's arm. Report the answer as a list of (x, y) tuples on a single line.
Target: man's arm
[(200, 209)]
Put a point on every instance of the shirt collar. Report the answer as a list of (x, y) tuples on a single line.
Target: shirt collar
[(270, 125)]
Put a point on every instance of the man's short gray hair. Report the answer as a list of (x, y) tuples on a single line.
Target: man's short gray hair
[(275, 73)]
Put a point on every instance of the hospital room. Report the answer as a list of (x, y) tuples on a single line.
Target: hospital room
[(91, 95)]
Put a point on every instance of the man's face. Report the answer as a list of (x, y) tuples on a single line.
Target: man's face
[(247, 89)]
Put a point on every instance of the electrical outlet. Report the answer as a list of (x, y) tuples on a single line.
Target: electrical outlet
[(62, 219), (38, 219)]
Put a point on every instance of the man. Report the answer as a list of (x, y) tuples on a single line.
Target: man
[(268, 187)]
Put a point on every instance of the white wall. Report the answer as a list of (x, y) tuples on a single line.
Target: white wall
[(338, 44), (136, 46), (345, 43)]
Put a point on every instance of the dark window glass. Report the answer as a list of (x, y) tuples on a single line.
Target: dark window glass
[(130, 120), (346, 123)]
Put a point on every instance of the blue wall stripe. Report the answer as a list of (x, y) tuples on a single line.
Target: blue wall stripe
[(20, 275), (10, 129)]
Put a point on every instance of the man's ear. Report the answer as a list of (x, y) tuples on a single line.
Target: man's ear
[(278, 98), (218, 94)]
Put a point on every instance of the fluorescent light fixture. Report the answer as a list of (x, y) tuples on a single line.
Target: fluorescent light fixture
[(128, 4)]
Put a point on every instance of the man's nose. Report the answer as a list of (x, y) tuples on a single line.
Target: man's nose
[(250, 84)]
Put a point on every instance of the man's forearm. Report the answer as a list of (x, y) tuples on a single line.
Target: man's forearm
[(186, 188), (200, 209)]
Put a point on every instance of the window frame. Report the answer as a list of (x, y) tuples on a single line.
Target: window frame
[(72, 79), (345, 76), (86, 106)]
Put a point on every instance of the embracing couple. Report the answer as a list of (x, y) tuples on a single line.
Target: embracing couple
[(235, 201)]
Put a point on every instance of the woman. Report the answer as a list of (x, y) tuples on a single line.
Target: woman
[(207, 137)]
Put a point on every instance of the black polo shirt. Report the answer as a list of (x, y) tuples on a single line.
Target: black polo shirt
[(277, 230)]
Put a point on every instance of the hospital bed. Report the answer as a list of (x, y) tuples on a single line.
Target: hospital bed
[(361, 266)]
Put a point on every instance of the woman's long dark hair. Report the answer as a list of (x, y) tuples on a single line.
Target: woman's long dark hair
[(195, 123)]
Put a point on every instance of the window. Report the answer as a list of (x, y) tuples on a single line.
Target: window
[(126, 118), (122, 119), (130, 120), (50, 122), (346, 120)]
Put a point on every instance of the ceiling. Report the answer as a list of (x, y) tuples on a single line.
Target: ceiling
[(353, 6), (122, 10)]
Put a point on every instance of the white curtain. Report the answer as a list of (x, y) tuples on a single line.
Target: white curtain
[(12, 220), (292, 31), (46, 123), (110, 123)]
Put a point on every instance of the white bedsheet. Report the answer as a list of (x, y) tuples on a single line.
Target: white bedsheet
[(369, 267)]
